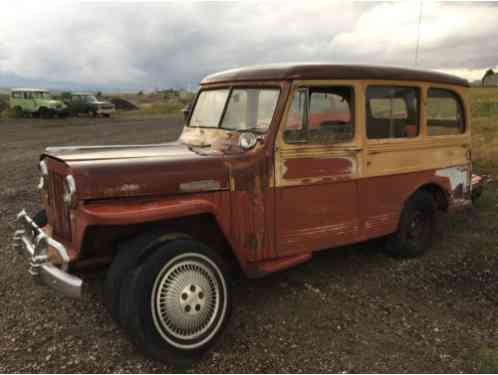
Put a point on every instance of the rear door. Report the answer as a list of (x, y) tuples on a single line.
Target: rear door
[(318, 159)]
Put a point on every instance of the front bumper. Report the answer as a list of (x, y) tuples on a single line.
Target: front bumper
[(105, 111), (34, 242)]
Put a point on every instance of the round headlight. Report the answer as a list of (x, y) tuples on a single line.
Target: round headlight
[(69, 191)]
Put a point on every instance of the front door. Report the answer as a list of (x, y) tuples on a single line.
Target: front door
[(317, 159)]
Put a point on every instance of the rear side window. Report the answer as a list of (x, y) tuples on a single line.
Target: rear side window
[(445, 114), (392, 112), (321, 115), (17, 95)]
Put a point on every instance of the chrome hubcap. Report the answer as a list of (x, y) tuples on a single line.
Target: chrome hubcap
[(192, 299), (188, 299)]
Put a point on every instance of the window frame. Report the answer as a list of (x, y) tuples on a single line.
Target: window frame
[(408, 84), (306, 87), (460, 102)]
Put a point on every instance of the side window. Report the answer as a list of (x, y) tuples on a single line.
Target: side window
[(320, 115), (445, 114), (392, 112)]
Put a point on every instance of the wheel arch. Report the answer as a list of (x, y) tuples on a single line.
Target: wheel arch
[(149, 236), (439, 193)]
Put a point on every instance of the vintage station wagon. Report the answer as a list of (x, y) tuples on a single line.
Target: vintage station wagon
[(274, 163)]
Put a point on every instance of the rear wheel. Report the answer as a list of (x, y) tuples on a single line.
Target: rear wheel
[(176, 303), (45, 112), (18, 112), (416, 227)]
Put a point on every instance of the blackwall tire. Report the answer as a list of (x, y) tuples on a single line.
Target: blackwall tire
[(416, 227), (122, 263), (177, 302)]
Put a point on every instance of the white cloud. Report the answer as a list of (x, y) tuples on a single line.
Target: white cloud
[(175, 44)]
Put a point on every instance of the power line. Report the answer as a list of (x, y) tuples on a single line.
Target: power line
[(418, 31)]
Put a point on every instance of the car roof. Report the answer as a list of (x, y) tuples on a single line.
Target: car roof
[(30, 90), (278, 72)]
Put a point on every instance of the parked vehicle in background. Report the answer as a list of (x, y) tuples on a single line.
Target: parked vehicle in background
[(86, 103), (36, 103), (274, 163)]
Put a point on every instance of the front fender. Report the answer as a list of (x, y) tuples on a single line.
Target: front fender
[(125, 212)]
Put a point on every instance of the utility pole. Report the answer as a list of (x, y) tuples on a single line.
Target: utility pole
[(418, 31)]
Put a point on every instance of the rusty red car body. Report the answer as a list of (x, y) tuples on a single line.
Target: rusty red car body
[(128, 186)]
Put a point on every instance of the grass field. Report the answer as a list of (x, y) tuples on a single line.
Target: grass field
[(485, 156), (484, 104)]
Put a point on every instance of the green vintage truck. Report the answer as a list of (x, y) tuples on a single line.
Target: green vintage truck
[(37, 103), (86, 103)]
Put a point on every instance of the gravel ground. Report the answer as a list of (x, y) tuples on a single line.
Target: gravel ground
[(352, 309)]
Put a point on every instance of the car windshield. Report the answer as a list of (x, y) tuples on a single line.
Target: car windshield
[(247, 109), (90, 99)]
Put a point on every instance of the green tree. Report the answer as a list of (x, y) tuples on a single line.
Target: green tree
[(488, 73)]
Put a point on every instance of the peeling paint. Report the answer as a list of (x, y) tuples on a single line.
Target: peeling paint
[(458, 177)]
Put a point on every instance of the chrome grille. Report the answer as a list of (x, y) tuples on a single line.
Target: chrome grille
[(59, 213)]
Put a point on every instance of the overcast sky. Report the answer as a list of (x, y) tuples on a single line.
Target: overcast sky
[(159, 45)]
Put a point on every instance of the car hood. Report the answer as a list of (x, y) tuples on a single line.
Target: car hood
[(100, 102), (50, 102), (103, 172)]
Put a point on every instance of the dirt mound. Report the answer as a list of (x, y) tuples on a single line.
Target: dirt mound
[(123, 104), (4, 102)]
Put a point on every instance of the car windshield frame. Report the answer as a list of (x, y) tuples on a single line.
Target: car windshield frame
[(231, 89)]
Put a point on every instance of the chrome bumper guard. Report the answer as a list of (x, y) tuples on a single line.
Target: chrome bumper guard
[(33, 241)]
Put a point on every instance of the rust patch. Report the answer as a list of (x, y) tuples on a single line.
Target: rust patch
[(317, 167)]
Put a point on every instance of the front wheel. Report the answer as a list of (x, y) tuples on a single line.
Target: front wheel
[(177, 302)]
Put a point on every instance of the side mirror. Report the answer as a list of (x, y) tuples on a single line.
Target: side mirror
[(247, 140), (186, 111)]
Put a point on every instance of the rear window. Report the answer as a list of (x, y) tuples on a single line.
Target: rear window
[(445, 114), (392, 112)]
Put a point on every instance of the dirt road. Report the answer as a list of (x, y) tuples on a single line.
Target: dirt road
[(351, 309)]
